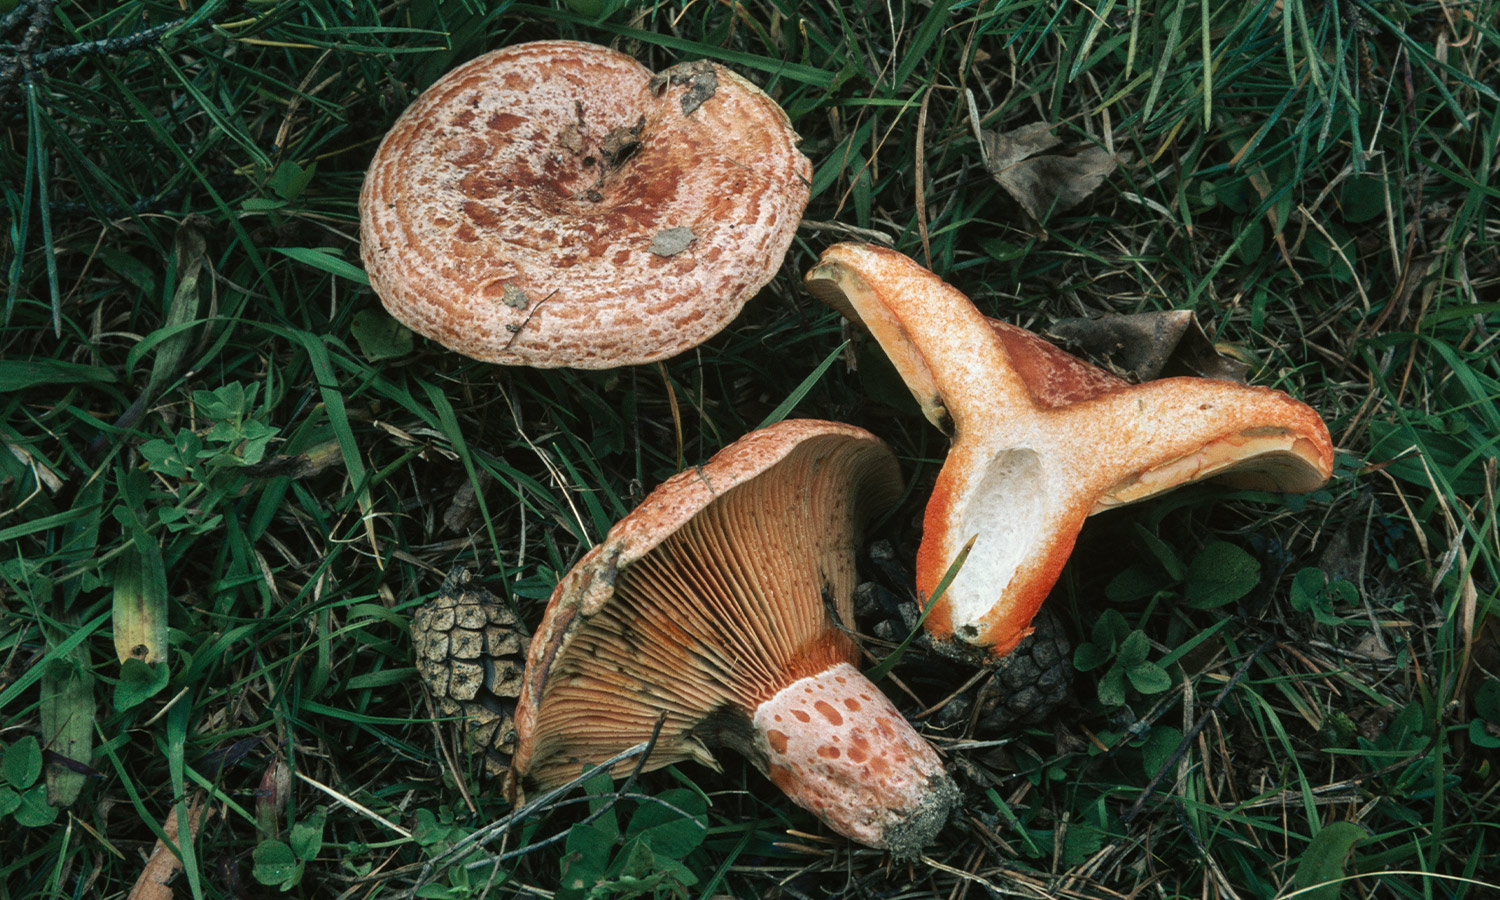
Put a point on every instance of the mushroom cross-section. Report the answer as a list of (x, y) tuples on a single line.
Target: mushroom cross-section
[(1041, 439), (719, 604), (556, 204)]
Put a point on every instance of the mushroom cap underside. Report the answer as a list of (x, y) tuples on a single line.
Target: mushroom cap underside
[(717, 591), (556, 204)]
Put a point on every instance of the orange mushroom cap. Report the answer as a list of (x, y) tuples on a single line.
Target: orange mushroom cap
[(556, 204), (1041, 439), (720, 603)]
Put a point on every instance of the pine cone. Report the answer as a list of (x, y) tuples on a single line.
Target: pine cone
[(1029, 683), (471, 653)]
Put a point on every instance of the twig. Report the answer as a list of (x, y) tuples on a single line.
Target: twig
[(355, 805), (1192, 733), (502, 827)]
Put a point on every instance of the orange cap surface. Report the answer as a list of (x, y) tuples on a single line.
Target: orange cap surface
[(556, 204)]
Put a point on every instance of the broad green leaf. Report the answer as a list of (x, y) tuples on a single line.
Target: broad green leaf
[(140, 602), (67, 719), (1307, 589), (426, 830), (1134, 583), (1087, 657), (669, 832), (601, 789), (586, 858), (1221, 573), (276, 864), (1112, 687), (307, 836), (1322, 866), (138, 682), (1163, 553), (1487, 700), (1158, 748), (1110, 631), (35, 811), (379, 336), (1134, 649), (635, 863), (1484, 734), (290, 179), (22, 763), (1362, 198), (182, 310), (1149, 678)]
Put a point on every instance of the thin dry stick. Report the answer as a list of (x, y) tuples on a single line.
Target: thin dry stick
[(502, 827), (355, 805), (1192, 733), (921, 176)]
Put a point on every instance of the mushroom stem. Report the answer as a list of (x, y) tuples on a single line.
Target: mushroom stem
[(834, 743)]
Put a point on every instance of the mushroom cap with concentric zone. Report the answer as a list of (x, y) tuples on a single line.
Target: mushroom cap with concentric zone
[(1041, 439), (556, 204), (719, 607)]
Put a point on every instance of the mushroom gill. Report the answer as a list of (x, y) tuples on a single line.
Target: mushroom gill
[(718, 604)]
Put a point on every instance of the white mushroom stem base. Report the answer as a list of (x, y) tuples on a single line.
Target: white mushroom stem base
[(840, 749)]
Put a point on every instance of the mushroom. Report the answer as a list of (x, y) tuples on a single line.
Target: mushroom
[(556, 204), (1041, 440), (718, 607)]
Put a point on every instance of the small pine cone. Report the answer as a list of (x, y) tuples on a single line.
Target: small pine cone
[(1030, 682), (471, 653)]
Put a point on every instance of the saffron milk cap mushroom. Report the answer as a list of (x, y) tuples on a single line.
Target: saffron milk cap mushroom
[(719, 604), (1042, 439), (556, 204)]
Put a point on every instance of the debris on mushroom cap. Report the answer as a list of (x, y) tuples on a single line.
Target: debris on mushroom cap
[(1042, 440), (555, 204), (719, 602)]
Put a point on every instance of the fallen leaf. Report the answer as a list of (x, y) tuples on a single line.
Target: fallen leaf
[(1003, 149), (162, 866), (1143, 346), (1044, 183), (464, 507)]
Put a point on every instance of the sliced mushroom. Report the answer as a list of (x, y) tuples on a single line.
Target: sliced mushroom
[(555, 204), (719, 603), (1041, 439)]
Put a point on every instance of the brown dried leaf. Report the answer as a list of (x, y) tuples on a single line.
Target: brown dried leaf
[(1198, 355), (464, 507), (1143, 346), (1044, 183), (1003, 149), (155, 882)]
